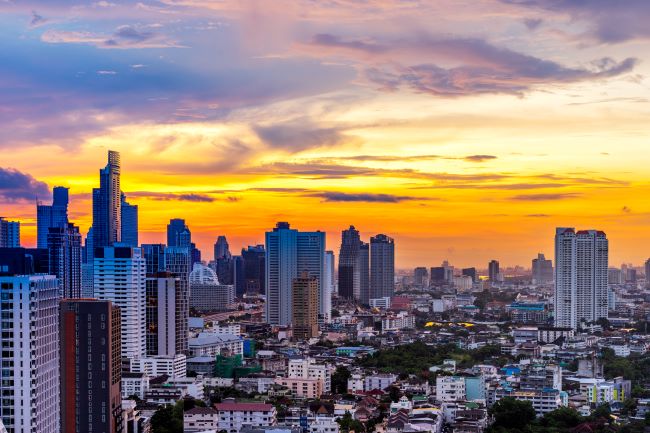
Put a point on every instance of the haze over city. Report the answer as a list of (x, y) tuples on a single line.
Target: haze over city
[(467, 131)]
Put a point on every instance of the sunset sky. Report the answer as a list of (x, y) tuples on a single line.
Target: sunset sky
[(467, 130)]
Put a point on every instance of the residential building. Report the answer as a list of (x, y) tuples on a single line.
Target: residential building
[(200, 419), (290, 252), (173, 366), (307, 368), (129, 216), (420, 277), (54, 215), (379, 381), (207, 294), (542, 270), (493, 271), (207, 343), (304, 300), (166, 333), (91, 368), (65, 257), (254, 274), (9, 233), (581, 290), (364, 273), (234, 416), (119, 277), (301, 387), (382, 266), (450, 388), (30, 385)]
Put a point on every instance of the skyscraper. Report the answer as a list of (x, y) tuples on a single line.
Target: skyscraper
[(647, 273), (54, 215), (166, 333), (542, 270), (221, 248), (254, 275), (107, 204), (493, 271), (288, 254), (129, 223), (364, 273), (65, 258), (9, 233), (349, 267), (420, 277), (382, 266), (581, 260), (179, 262), (304, 300), (30, 354), (178, 233), (91, 366), (119, 277), (330, 277)]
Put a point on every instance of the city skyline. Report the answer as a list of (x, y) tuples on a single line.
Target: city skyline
[(467, 138)]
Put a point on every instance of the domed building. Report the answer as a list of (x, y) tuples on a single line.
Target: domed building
[(206, 294)]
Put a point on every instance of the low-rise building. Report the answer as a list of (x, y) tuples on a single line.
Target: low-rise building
[(234, 416)]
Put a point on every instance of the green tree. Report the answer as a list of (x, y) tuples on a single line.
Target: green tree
[(340, 380), (168, 419), (511, 414)]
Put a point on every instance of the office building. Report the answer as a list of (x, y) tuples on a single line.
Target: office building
[(166, 333), (65, 258), (178, 263), (30, 353), (91, 399), (129, 223), (470, 272), (305, 307), (542, 270), (54, 215), (364, 273), (382, 266), (349, 264), (9, 233), (420, 277), (154, 257), (178, 233), (119, 276), (581, 260), (254, 275), (221, 248), (207, 294), (493, 271), (290, 252), (107, 204)]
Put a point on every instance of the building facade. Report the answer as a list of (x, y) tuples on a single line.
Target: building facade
[(107, 204), (129, 217), (305, 307), (65, 257), (54, 215), (382, 266)]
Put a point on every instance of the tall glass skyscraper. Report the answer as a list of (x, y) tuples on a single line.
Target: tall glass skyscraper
[(65, 258), (129, 223), (289, 253), (382, 266), (178, 233), (54, 215), (349, 264), (107, 204)]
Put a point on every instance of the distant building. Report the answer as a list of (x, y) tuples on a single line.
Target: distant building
[(9, 233), (382, 266), (65, 257), (107, 204), (290, 252), (178, 233), (254, 274), (91, 372), (129, 223), (30, 385), (420, 277), (221, 248), (364, 273), (542, 270), (493, 271), (647, 273), (119, 277), (206, 292), (54, 215), (234, 416), (470, 272), (305, 307), (349, 264), (581, 291)]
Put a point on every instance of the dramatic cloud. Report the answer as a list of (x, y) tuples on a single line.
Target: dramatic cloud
[(15, 186), (545, 197), (370, 198), (125, 36), (479, 158), (459, 66), (298, 135), (193, 197), (610, 21)]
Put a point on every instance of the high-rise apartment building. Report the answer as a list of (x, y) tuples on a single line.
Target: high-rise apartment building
[(166, 324), (65, 258), (254, 275), (493, 271), (304, 300), (91, 367), (581, 260), (382, 267), (54, 215), (30, 386), (9, 233), (349, 264), (290, 252), (330, 276), (364, 273), (542, 270), (119, 276), (129, 223), (107, 204)]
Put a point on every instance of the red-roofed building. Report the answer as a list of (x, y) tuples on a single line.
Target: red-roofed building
[(233, 416)]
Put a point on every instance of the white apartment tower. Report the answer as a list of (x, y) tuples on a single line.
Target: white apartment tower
[(581, 260), (119, 276), (30, 354), (289, 253)]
